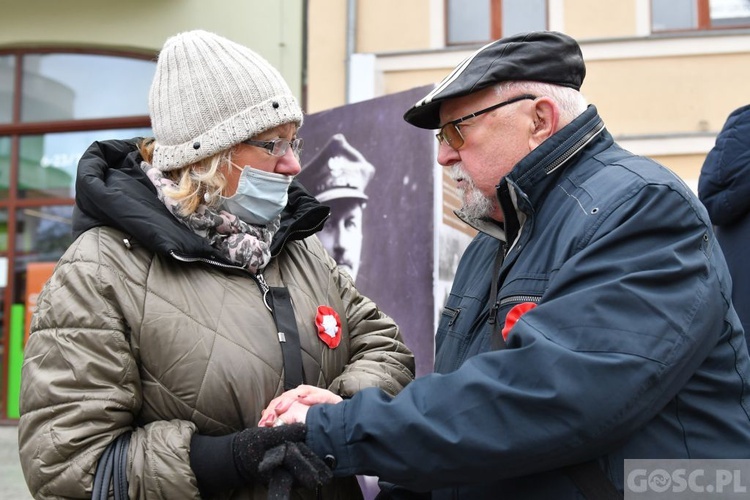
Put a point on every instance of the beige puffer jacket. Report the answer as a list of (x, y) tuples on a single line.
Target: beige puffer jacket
[(125, 339)]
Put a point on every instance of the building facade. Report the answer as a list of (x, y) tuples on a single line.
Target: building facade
[(664, 74)]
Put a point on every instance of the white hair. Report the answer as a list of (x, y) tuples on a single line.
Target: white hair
[(570, 101)]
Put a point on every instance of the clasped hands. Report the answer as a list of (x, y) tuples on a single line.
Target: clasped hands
[(277, 456), (291, 407)]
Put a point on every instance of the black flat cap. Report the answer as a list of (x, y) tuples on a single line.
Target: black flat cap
[(541, 56)]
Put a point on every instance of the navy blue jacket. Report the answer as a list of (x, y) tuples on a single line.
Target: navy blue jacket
[(632, 351), (724, 187)]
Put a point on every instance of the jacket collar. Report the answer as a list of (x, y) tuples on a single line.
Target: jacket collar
[(484, 225), (303, 216), (112, 190), (531, 178)]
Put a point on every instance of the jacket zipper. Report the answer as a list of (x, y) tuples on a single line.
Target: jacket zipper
[(496, 267), (452, 314), (518, 299), (259, 279), (576, 147), (182, 258), (264, 288), (514, 299)]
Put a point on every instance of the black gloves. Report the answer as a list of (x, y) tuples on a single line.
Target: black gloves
[(278, 455), (289, 463)]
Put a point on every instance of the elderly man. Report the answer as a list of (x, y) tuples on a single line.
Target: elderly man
[(338, 177), (590, 320)]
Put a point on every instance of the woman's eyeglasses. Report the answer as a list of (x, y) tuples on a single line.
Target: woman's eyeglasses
[(278, 147)]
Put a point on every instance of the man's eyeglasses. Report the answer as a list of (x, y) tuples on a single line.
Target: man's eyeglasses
[(451, 135), (278, 147)]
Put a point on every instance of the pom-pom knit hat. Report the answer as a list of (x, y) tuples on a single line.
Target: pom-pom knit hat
[(210, 93)]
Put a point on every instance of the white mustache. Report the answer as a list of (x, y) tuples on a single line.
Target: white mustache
[(457, 172)]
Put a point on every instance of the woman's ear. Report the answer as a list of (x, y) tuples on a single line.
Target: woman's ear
[(546, 121)]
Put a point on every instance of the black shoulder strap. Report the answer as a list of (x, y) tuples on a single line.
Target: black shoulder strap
[(498, 342), (590, 479), (286, 325)]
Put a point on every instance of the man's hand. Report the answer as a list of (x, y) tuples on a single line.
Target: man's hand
[(292, 406)]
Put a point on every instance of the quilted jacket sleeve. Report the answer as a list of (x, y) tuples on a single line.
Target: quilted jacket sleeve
[(80, 382), (379, 356)]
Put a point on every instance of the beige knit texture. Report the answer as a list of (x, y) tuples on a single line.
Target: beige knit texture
[(210, 93)]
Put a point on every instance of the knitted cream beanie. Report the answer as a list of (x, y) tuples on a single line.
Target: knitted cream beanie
[(210, 93)]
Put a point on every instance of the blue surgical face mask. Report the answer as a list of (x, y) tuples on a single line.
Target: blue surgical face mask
[(260, 196)]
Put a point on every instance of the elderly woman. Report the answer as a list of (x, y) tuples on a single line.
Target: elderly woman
[(194, 294)]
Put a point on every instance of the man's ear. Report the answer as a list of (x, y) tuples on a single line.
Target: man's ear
[(546, 121)]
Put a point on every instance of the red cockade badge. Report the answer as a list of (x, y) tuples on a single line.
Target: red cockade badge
[(329, 326), (514, 315)]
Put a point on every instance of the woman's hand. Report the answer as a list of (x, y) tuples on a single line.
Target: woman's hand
[(296, 413), (304, 396)]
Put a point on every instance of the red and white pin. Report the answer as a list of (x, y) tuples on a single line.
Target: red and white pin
[(329, 326)]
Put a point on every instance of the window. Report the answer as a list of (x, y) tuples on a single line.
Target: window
[(48, 162), (728, 13), (53, 105), (81, 86), (678, 15), (4, 167), (479, 21), (42, 234), (6, 88)]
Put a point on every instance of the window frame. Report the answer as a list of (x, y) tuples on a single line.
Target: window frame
[(496, 23), (703, 11)]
